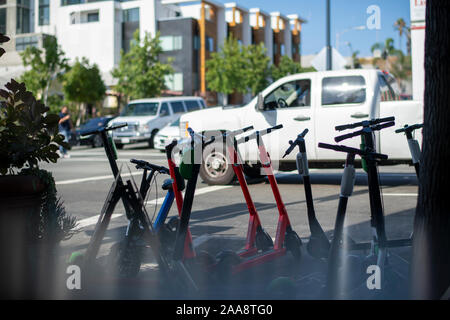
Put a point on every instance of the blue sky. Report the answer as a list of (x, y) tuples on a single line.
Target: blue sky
[(345, 14)]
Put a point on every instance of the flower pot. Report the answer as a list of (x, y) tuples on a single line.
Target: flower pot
[(20, 199)]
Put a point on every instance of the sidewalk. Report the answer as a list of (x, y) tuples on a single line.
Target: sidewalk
[(305, 280)]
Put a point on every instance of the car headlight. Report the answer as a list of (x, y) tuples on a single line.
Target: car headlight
[(143, 128)]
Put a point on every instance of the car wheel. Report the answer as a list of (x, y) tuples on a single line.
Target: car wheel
[(151, 141), (97, 141), (215, 168), (119, 145)]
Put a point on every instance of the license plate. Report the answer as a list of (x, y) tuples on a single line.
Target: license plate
[(125, 140)]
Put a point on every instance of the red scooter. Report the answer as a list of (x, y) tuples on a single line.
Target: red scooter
[(286, 239)]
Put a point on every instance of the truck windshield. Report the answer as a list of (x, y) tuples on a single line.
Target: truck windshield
[(140, 109)]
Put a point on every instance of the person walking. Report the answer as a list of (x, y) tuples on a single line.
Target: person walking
[(64, 128)]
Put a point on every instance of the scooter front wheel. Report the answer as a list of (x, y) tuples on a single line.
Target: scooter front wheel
[(263, 241), (294, 244)]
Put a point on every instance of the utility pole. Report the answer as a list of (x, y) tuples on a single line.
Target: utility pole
[(329, 60)]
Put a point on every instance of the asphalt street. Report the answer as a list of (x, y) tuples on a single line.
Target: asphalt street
[(84, 179)]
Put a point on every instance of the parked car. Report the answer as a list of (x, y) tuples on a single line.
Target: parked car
[(318, 101), (93, 140), (167, 134), (145, 117)]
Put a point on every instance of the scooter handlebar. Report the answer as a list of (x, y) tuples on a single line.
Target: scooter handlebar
[(141, 164), (365, 123), (296, 142), (346, 149), (408, 128), (360, 132), (104, 129), (259, 133)]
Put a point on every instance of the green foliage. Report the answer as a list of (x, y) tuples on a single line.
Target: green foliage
[(3, 39), (140, 74), (83, 83), (53, 224), (227, 69), (286, 67), (45, 66), (258, 70), (27, 133)]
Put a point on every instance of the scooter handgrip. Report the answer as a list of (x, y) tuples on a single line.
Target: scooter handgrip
[(247, 129), (383, 126), (348, 136), (303, 134), (365, 123)]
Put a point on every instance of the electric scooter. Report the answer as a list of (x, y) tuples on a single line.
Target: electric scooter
[(140, 232), (379, 244), (257, 239), (318, 245), (334, 286), (286, 239), (413, 144), (189, 170)]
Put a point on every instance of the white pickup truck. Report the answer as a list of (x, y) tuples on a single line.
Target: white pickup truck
[(318, 101)]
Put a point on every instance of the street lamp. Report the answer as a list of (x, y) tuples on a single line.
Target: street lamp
[(339, 34)]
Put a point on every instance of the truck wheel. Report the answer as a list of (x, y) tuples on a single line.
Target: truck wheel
[(215, 168), (119, 146)]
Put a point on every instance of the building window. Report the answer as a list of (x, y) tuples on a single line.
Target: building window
[(3, 20), (282, 50), (44, 12), (196, 43), (131, 15), (84, 17), (23, 42), (23, 21), (2, 2), (93, 17), (174, 82), (171, 43), (210, 44)]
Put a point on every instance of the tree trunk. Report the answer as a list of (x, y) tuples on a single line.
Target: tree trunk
[(431, 247)]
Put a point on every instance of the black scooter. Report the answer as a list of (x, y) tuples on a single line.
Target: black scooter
[(318, 245)]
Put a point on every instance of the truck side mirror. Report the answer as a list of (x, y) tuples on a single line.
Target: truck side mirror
[(260, 102)]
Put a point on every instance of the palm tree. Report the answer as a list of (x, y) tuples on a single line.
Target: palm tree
[(387, 49), (400, 26)]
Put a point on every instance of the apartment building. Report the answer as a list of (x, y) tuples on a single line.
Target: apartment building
[(190, 31)]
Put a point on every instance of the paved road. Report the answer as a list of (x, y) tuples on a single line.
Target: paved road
[(84, 179)]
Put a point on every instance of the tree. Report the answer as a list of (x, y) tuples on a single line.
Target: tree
[(46, 66), (431, 248), (226, 71), (387, 50), (258, 70), (400, 26), (83, 85), (286, 67), (140, 74)]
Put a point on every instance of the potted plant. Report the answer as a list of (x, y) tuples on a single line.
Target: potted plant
[(31, 215)]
